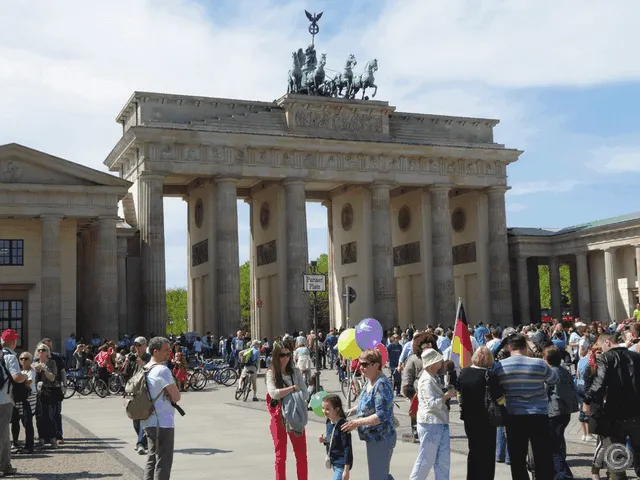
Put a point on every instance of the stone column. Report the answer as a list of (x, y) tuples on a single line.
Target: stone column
[(534, 284), (108, 277), (584, 291), (523, 291), (330, 283), (51, 287), (384, 291), (190, 293), (298, 304), (611, 283), (228, 262), (573, 284), (93, 297), (123, 326), (556, 291), (151, 224), (499, 275), (256, 331), (443, 288)]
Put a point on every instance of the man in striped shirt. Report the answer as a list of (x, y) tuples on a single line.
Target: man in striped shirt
[(524, 380)]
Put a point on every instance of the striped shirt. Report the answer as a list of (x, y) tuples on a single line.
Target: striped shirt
[(525, 380)]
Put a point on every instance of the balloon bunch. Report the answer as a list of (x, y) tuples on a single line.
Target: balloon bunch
[(367, 335)]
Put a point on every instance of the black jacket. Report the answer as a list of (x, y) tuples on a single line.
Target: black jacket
[(616, 381), (472, 388)]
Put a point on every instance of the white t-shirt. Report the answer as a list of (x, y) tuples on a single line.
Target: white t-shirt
[(158, 379), (574, 338)]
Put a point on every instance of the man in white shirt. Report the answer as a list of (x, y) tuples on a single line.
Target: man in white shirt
[(11, 370), (159, 427)]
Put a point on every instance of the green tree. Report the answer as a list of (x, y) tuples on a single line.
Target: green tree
[(176, 310), (545, 286), (245, 296), (322, 305)]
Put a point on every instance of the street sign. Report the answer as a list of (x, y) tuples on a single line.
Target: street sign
[(314, 283), (352, 295), (259, 303)]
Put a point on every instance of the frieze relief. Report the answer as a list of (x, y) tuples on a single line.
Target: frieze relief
[(340, 121), (327, 161)]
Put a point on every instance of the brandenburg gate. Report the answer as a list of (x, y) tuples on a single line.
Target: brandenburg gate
[(415, 204)]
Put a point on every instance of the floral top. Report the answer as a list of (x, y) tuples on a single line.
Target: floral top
[(378, 400)]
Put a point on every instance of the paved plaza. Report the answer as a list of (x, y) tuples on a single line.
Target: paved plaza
[(222, 435)]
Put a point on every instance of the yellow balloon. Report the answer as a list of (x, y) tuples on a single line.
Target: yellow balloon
[(347, 345)]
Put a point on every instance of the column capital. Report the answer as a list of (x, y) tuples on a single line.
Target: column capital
[(438, 188), (147, 175), (107, 220), (233, 180), (51, 217), (327, 203), (293, 181), (610, 249), (523, 258), (498, 189), (248, 201), (581, 253), (379, 186)]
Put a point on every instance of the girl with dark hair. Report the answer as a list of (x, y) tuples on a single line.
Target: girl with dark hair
[(337, 442), (283, 380)]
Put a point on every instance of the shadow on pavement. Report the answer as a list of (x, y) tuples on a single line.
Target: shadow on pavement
[(201, 451), (66, 476)]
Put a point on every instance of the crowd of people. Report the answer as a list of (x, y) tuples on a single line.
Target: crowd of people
[(516, 398)]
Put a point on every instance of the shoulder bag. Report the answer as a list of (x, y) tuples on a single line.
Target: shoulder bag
[(497, 413), (327, 459)]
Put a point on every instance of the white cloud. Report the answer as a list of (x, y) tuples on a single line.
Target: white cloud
[(543, 186), (506, 43), (622, 159), (515, 207), (68, 67)]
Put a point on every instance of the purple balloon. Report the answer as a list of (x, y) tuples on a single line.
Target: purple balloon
[(368, 333)]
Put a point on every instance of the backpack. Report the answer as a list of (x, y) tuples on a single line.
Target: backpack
[(137, 399), (245, 357), (19, 391)]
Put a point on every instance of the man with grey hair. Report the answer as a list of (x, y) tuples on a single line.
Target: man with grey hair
[(159, 427), (134, 361)]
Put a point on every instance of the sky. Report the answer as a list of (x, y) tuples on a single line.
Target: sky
[(562, 77)]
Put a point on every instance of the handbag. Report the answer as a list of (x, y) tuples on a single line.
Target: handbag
[(50, 394), (327, 459), (497, 413)]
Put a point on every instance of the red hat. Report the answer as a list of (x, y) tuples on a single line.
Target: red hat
[(9, 335)]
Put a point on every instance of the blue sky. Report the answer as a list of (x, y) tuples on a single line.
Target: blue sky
[(561, 76)]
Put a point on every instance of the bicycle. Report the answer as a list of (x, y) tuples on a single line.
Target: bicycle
[(116, 383), (354, 388), (197, 379), (244, 387), (220, 373)]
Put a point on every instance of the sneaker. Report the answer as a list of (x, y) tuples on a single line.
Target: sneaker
[(141, 450), (61, 442), (256, 399), (583, 438), (24, 451)]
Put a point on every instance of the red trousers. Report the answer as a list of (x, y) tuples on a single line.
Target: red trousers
[(299, 444)]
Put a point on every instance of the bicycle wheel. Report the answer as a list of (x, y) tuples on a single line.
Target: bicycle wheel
[(198, 380), (240, 389), (69, 390), (344, 387), (247, 388), (115, 384), (228, 377), (84, 386), (101, 388)]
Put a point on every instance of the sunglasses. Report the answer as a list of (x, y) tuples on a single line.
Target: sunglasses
[(25, 358), (364, 364), (42, 350), (285, 355)]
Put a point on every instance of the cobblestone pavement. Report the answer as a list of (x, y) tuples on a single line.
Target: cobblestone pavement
[(82, 457)]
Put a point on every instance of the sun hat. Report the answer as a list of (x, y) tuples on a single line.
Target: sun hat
[(430, 356)]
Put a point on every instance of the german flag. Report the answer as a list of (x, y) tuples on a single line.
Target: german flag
[(461, 338)]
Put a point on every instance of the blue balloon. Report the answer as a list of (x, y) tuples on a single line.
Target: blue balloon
[(368, 333)]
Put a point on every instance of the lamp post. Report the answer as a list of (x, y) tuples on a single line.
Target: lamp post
[(315, 282)]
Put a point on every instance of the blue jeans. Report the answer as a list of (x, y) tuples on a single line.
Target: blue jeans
[(379, 458), (557, 426), (337, 472), (435, 452), (502, 452)]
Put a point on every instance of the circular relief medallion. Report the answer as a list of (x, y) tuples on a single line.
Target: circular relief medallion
[(346, 217), (265, 215), (198, 213), (404, 218), (458, 219)]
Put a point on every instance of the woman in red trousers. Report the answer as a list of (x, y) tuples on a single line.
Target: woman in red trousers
[(282, 380)]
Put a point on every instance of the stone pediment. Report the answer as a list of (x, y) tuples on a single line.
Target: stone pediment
[(23, 165)]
